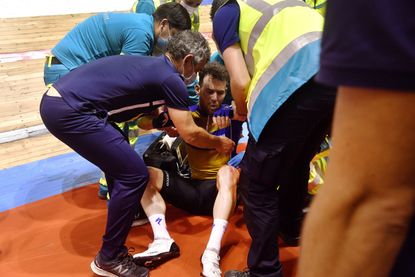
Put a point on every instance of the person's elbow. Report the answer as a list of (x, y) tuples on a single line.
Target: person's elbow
[(239, 94), (189, 137), (241, 83), (244, 82)]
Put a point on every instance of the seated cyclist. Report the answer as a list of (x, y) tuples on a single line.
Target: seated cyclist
[(211, 189)]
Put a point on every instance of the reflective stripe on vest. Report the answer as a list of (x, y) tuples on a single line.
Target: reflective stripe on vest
[(281, 60), (273, 34), (269, 12)]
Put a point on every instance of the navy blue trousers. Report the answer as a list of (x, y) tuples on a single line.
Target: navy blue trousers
[(405, 262), (100, 143), (280, 159)]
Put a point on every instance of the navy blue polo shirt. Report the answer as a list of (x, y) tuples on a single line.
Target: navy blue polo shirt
[(122, 87), (226, 25), (369, 43)]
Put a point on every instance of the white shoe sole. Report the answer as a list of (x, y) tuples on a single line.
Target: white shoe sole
[(101, 272)]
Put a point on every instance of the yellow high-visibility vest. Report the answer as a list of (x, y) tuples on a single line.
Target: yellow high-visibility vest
[(280, 40), (195, 18), (318, 5)]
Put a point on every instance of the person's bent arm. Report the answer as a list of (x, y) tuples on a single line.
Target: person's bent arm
[(196, 136), (239, 76)]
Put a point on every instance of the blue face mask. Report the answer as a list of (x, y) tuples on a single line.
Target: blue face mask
[(161, 42)]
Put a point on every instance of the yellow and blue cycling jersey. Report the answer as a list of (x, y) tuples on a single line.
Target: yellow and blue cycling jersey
[(205, 163)]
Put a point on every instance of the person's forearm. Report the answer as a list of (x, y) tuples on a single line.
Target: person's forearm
[(361, 238), (198, 137), (364, 209), (238, 91), (239, 76)]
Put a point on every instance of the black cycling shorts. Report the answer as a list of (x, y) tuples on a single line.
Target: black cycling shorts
[(194, 196)]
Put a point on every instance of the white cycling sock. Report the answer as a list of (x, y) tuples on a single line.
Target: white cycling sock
[(158, 224), (218, 229)]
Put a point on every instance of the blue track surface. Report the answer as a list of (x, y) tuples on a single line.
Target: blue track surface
[(37, 180)]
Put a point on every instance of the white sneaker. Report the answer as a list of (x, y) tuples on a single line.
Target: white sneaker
[(210, 264), (158, 252)]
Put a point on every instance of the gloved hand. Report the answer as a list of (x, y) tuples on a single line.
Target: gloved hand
[(226, 110), (221, 117)]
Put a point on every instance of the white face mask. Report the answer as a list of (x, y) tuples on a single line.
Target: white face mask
[(191, 78), (191, 10)]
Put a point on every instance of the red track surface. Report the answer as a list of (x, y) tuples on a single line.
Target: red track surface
[(60, 235)]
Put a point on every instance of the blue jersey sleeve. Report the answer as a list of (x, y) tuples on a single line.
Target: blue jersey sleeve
[(137, 41), (226, 26), (144, 6), (216, 58), (175, 91)]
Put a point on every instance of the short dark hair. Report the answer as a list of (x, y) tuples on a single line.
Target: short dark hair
[(216, 5), (189, 42), (176, 15), (214, 69)]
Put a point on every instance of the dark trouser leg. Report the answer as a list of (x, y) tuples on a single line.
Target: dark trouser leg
[(261, 217), (405, 262), (293, 193), (236, 133), (104, 146), (280, 159)]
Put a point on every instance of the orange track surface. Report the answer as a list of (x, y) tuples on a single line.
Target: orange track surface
[(60, 235)]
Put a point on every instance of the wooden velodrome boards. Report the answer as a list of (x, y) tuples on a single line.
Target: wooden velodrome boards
[(23, 42)]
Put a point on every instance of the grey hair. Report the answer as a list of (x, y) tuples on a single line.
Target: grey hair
[(189, 42)]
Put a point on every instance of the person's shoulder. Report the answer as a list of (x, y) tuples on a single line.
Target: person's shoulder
[(232, 5), (135, 19), (132, 58), (229, 10), (226, 24), (169, 77)]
